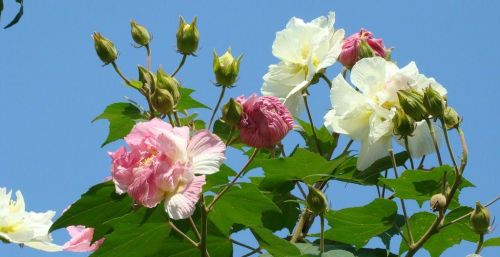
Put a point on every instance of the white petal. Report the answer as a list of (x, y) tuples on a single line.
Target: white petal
[(44, 246), (421, 142), (368, 74), (371, 152), (182, 205), (206, 151)]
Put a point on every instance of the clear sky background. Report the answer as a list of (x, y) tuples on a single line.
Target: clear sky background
[(52, 83)]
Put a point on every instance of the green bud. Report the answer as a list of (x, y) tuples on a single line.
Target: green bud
[(140, 34), (365, 51), (388, 54), (438, 202), (451, 118), (412, 103), (403, 124), (165, 81), (434, 103), (316, 201), (162, 101), (145, 76), (104, 48), (226, 68), (232, 112), (187, 37), (480, 219)]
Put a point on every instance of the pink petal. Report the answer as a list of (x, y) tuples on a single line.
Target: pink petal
[(148, 129), (81, 239), (182, 205), (206, 151)]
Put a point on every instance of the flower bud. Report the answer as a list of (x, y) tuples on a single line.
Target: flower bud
[(361, 45), (403, 124), (438, 202), (145, 76), (365, 51), (232, 112), (140, 34), (480, 219), (316, 201), (162, 101), (104, 48), (226, 68), (412, 103), (165, 81), (187, 37), (451, 118), (434, 103)]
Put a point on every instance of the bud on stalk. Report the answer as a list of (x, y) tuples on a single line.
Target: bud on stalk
[(451, 118), (187, 37), (140, 34), (434, 103), (316, 201), (480, 219), (104, 48), (226, 68), (412, 103), (165, 81), (438, 202), (403, 124), (232, 112)]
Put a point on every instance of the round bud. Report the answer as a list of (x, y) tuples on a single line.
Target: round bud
[(438, 202), (480, 219), (316, 201), (145, 76), (226, 68), (104, 48), (365, 51), (187, 37), (165, 81), (403, 124), (162, 101), (434, 103), (140, 34), (412, 103), (232, 112), (451, 118)]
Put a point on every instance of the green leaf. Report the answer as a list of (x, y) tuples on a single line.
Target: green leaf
[(214, 181), (122, 117), (387, 235), (492, 242), (447, 236), (192, 122), (273, 244), (358, 225), (244, 205), (325, 138), (222, 130), (95, 207), (340, 250), (421, 185), (135, 84), (287, 218), (187, 102), (303, 165)]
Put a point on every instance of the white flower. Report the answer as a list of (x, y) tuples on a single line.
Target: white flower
[(365, 113), (21, 227), (304, 49)]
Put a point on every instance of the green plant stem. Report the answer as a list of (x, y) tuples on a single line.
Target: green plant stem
[(383, 187), (177, 119), (421, 164), (300, 225), (257, 250), (117, 69), (409, 153), (223, 90), (312, 124), (304, 195), (322, 235), (480, 244), (183, 60), (346, 148), (224, 190), (246, 246), (182, 234), (228, 139), (433, 135), (435, 226), (325, 78), (204, 228), (403, 206), (194, 228), (171, 120), (468, 214), (448, 145), (148, 57)]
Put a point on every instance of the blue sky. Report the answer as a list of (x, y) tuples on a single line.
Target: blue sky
[(52, 84)]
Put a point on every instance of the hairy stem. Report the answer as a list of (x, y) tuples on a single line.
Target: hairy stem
[(434, 140), (480, 244), (452, 156), (223, 90), (183, 60), (148, 56), (312, 125)]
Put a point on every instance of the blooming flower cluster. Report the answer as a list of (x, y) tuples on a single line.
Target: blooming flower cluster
[(166, 164)]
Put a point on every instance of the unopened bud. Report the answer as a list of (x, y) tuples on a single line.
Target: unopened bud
[(365, 51), (226, 68), (316, 201), (165, 81), (480, 219), (451, 118), (145, 76), (403, 124), (162, 101), (104, 48), (412, 103), (438, 202), (140, 34), (434, 103), (187, 37), (232, 112)]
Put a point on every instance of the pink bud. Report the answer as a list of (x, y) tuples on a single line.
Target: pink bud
[(265, 121), (350, 53)]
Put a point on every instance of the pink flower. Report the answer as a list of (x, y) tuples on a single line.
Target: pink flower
[(162, 165), (81, 240), (350, 53), (265, 121)]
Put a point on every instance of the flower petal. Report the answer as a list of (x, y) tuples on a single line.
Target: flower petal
[(421, 142), (368, 74), (182, 205), (206, 150), (372, 151)]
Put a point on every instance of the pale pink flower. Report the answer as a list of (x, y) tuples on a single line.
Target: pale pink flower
[(81, 240), (162, 165), (350, 47), (265, 121)]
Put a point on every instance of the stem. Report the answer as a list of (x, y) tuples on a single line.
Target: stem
[(228, 139), (347, 146), (421, 164), (148, 56), (183, 60), (204, 228), (312, 125), (468, 214), (328, 82), (433, 135), (216, 106), (299, 226), (344, 72), (246, 246), (182, 234), (177, 120), (409, 153), (383, 187), (257, 250), (302, 190), (480, 244), (171, 120), (321, 234), (403, 206), (445, 132), (224, 190), (120, 73), (194, 228)]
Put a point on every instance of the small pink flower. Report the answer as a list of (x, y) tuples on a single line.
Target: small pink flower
[(265, 121), (163, 164), (81, 240), (350, 47)]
